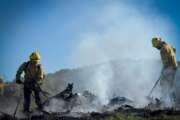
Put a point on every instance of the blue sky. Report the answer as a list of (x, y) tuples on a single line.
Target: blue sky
[(53, 28)]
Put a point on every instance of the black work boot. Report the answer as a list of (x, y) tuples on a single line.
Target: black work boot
[(40, 107), (27, 112)]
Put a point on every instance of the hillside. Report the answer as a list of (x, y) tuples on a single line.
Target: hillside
[(132, 79)]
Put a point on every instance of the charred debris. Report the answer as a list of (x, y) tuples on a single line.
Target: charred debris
[(123, 106)]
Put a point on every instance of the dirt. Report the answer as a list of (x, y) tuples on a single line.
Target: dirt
[(126, 110)]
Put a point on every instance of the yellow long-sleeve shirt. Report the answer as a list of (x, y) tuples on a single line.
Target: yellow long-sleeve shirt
[(168, 56), (32, 71)]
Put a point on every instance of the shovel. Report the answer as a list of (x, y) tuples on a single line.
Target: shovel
[(153, 88), (17, 106)]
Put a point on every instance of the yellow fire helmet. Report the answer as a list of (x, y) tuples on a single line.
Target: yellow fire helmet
[(35, 56), (156, 41)]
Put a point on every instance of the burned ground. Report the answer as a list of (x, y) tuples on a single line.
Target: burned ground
[(122, 113), (85, 104)]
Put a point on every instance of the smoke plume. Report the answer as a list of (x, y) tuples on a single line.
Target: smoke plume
[(122, 32)]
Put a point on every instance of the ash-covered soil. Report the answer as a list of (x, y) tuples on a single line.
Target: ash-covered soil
[(67, 105), (124, 112), (72, 106), (8, 103)]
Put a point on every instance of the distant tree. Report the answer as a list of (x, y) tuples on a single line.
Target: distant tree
[(1, 79), (1, 86)]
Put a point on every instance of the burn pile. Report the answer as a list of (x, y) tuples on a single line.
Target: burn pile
[(82, 106), (68, 105), (69, 102)]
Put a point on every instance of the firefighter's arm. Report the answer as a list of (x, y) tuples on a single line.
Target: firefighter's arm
[(174, 49), (165, 56), (19, 72), (173, 58), (41, 74)]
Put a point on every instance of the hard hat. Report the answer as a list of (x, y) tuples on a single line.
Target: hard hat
[(35, 56), (156, 41)]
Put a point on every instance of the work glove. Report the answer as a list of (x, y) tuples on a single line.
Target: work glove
[(18, 81), (39, 82)]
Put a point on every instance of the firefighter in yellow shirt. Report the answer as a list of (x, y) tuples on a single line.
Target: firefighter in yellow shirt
[(168, 57), (33, 76)]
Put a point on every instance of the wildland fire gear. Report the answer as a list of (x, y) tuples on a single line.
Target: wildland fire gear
[(33, 74), (156, 41), (167, 83), (168, 52), (32, 71), (168, 57), (35, 56)]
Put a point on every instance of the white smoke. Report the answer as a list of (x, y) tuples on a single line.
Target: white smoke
[(122, 31), (102, 77), (177, 86)]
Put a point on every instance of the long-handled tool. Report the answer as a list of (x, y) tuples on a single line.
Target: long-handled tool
[(17, 106), (154, 87), (44, 93)]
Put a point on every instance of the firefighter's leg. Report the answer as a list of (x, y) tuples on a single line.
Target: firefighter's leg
[(38, 99), (171, 79), (27, 98), (167, 85), (163, 86)]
